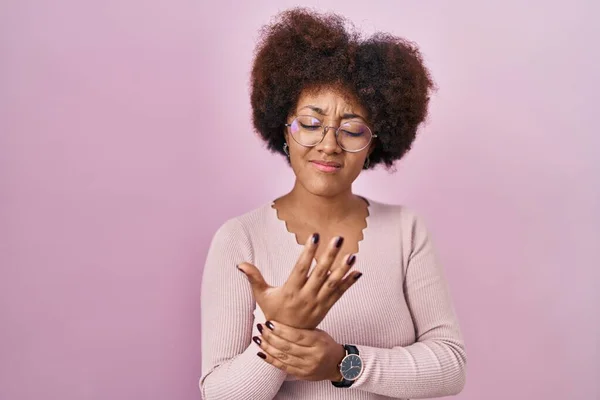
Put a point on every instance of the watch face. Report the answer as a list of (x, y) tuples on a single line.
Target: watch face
[(351, 367)]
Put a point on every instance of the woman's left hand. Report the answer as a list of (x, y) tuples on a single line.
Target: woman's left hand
[(307, 354)]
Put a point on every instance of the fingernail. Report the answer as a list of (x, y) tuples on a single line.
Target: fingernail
[(260, 328), (256, 340), (351, 260), (262, 355), (315, 238), (270, 325), (357, 276), (339, 242), (238, 267)]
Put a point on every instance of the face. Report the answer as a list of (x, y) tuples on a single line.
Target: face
[(326, 169)]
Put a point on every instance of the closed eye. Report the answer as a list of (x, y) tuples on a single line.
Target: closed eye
[(353, 134), (310, 127)]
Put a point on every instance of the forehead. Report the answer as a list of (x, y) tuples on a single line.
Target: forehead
[(331, 101)]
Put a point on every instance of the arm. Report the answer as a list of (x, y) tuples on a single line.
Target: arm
[(434, 365), (230, 367)]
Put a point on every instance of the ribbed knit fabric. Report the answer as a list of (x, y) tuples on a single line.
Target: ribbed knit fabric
[(399, 314)]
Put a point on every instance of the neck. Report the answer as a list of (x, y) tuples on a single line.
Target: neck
[(323, 208)]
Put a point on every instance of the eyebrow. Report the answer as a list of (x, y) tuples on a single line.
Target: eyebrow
[(345, 116)]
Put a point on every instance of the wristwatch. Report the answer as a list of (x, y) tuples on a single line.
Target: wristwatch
[(351, 367)]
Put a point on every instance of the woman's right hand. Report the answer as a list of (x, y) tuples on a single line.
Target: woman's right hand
[(304, 300)]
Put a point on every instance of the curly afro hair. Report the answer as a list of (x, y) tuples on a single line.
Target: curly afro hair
[(304, 50)]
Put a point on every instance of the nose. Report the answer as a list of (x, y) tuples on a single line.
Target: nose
[(329, 144)]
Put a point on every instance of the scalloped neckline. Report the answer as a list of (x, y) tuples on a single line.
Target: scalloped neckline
[(294, 236)]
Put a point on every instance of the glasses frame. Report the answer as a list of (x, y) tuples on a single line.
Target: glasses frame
[(325, 129)]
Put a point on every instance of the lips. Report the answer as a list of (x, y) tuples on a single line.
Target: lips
[(327, 163), (326, 166)]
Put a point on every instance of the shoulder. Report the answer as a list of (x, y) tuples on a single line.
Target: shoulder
[(407, 224), (395, 214), (239, 229)]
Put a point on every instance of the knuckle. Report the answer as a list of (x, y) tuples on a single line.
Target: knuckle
[(328, 259), (302, 303), (286, 348), (320, 272), (320, 314), (282, 356), (303, 263), (315, 314), (302, 269)]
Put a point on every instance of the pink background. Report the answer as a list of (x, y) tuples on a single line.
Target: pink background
[(125, 141)]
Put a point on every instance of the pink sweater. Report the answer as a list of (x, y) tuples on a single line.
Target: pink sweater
[(399, 314)]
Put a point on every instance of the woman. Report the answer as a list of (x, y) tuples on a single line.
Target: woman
[(284, 313)]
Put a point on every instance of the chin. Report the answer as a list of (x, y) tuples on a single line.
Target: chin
[(324, 187)]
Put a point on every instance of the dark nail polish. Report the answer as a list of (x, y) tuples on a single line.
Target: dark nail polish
[(339, 242), (239, 269), (260, 328), (315, 238), (357, 276), (270, 325), (256, 340), (351, 260), (262, 355)]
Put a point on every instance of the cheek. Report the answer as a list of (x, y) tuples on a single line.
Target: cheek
[(355, 162), (298, 154), (298, 158)]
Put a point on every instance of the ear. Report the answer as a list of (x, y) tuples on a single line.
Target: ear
[(286, 131)]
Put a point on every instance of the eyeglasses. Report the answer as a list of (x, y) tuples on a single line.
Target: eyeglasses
[(309, 131)]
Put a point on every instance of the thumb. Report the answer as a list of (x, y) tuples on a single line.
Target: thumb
[(256, 279)]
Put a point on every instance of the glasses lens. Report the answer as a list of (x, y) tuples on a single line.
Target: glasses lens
[(307, 130), (354, 136)]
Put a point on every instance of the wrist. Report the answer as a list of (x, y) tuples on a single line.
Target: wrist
[(340, 353)]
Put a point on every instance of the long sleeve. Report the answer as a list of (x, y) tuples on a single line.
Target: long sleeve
[(230, 367), (435, 365)]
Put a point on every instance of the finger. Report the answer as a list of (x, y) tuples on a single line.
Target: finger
[(335, 278), (259, 286), (345, 284), (283, 356), (301, 337), (284, 345), (299, 274), (297, 372), (319, 274)]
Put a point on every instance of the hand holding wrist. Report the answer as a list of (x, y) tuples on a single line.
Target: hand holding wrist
[(310, 355)]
